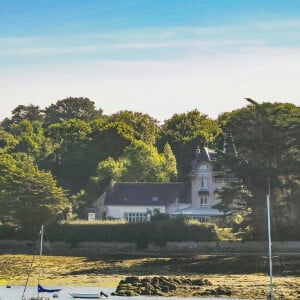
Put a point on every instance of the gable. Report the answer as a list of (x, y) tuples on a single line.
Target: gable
[(150, 194)]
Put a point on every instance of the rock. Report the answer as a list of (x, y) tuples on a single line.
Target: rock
[(160, 286), (223, 291), (165, 289), (132, 279), (207, 282), (198, 282)]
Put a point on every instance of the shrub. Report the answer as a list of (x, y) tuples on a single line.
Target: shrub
[(142, 234)]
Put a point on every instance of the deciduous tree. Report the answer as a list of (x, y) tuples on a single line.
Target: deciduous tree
[(28, 196), (145, 127), (71, 108), (184, 133)]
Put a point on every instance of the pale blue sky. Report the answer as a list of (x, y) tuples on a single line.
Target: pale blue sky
[(158, 56)]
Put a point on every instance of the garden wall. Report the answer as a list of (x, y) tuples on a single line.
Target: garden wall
[(171, 248)]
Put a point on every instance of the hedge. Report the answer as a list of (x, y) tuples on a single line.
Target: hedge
[(142, 233)]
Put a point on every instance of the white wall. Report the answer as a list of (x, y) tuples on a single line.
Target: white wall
[(176, 206), (196, 186), (117, 211)]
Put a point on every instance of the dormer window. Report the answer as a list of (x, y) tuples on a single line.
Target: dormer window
[(125, 199), (154, 199), (203, 167)]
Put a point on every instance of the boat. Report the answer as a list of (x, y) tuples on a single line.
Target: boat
[(85, 295), (88, 295), (40, 289)]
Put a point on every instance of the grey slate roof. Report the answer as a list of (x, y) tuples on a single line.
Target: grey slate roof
[(203, 155), (151, 194)]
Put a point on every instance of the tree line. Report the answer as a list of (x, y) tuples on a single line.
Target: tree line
[(56, 161)]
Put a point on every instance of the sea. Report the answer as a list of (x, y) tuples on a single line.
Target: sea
[(16, 292)]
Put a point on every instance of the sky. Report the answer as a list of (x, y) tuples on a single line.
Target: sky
[(158, 57)]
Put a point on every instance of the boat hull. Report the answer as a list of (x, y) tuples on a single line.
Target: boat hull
[(85, 296)]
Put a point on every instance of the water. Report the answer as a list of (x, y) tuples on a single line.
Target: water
[(15, 293)]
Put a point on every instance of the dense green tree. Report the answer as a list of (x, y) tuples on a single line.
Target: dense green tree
[(145, 127), (144, 163), (29, 197), (265, 148), (71, 108), (184, 133), (80, 146), (26, 112), (23, 112), (169, 165), (69, 161), (7, 141), (140, 163), (109, 139), (30, 139)]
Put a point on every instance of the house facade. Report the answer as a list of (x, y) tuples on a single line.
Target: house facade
[(138, 201)]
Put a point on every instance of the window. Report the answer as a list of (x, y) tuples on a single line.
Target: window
[(154, 199), (203, 183), (135, 217), (91, 216), (203, 202)]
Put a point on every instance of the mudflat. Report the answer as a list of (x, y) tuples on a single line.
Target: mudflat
[(244, 276)]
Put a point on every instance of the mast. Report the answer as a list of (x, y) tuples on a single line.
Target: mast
[(41, 253), (270, 246)]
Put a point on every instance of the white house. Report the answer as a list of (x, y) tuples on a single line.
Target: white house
[(137, 201)]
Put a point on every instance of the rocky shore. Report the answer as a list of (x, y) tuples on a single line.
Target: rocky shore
[(169, 286)]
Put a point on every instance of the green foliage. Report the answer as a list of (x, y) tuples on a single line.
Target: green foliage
[(184, 133), (142, 234), (69, 161), (71, 108), (145, 127), (26, 112), (140, 163), (158, 216), (21, 113), (84, 150), (169, 163), (109, 139), (30, 139), (266, 148), (28, 197), (7, 141)]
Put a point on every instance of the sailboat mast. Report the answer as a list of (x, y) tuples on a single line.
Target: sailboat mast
[(41, 253), (270, 248)]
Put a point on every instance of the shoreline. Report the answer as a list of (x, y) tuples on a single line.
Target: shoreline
[(108, 271), (252, 286)]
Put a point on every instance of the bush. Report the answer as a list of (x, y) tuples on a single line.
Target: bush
[(142, 234)]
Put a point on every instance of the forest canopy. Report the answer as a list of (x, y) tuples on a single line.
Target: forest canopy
[(56, 161)]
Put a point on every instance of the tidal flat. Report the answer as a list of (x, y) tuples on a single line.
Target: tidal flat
[(244, 276)]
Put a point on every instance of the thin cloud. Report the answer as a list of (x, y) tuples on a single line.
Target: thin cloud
[(153, 38), (161, 88)]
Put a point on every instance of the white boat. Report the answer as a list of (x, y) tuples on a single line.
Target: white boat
[(40, 289), (85, 295), (88, 295)]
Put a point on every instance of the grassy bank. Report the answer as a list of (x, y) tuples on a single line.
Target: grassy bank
[(243, 275)]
